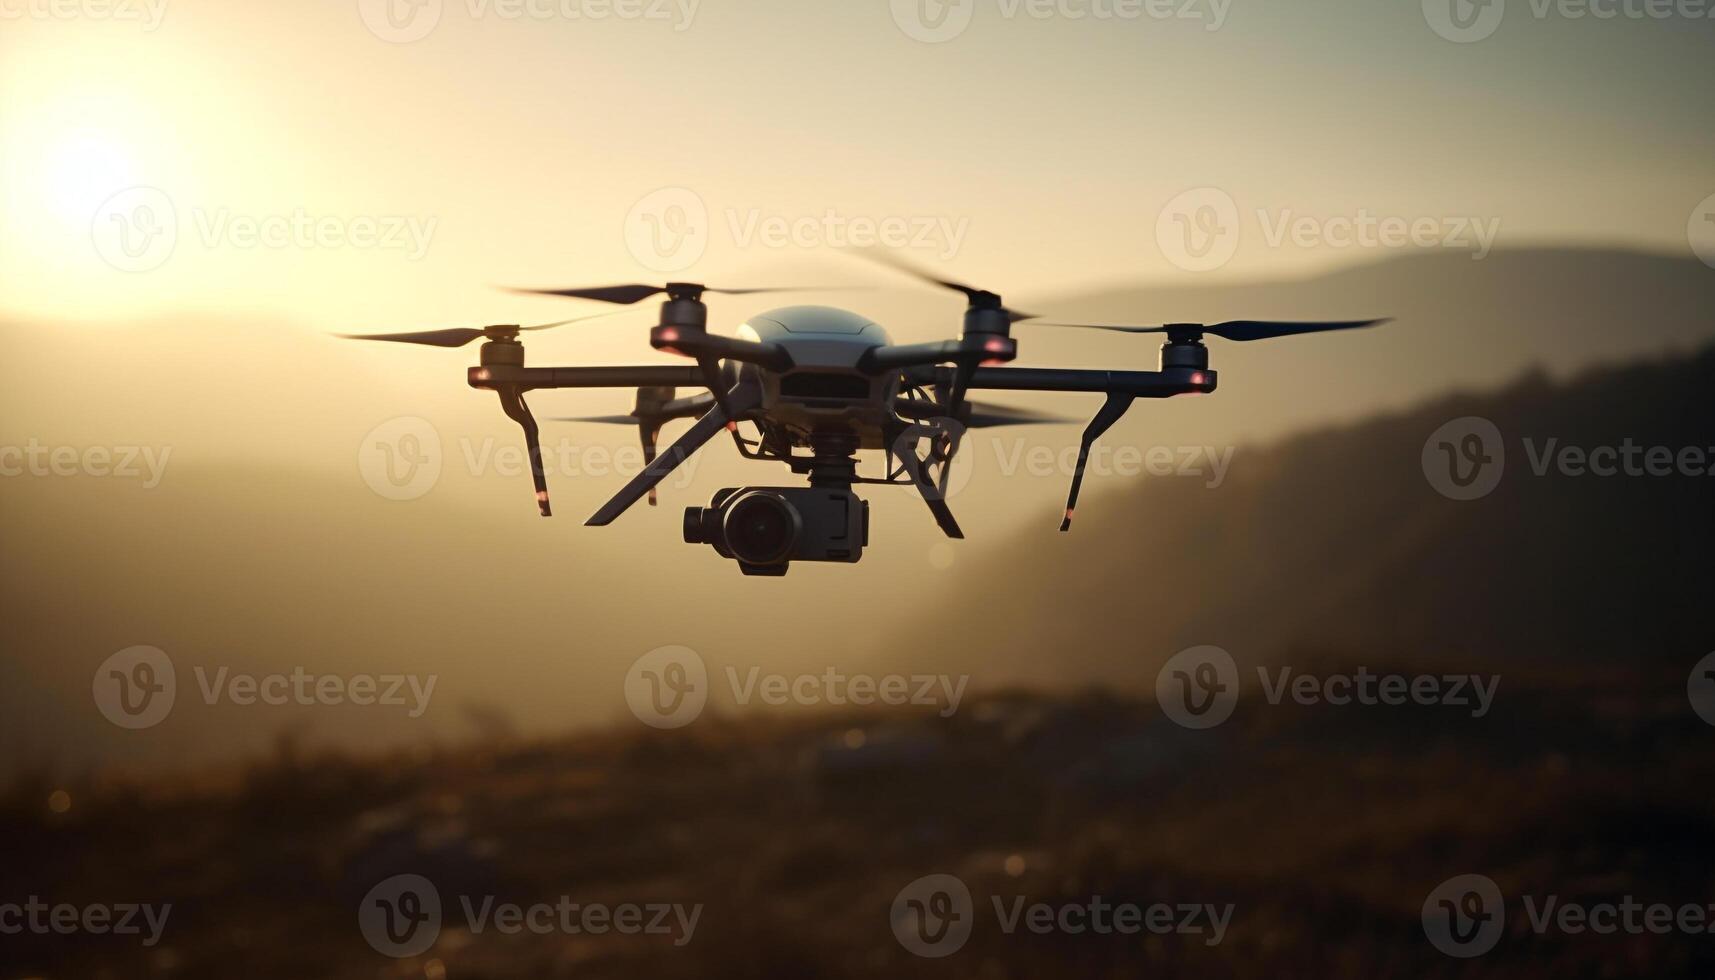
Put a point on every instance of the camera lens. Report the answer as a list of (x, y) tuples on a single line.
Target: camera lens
[(695, 526), (762, 528)]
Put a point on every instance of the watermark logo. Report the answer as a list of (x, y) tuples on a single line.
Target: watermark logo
[(1701, 230), (942, 235), (1464, 459), (148, 13), (671, 229), (403, 459), (932, 916), (400, 459), (1198, 688), (667, 687), (1464, 21), (401, 916), (668, 230), (933, 21), (1700, 688), (939, 21), (400, 21), (145, 463), (123, 919), (135, 688), (1201, 230), (1465, 916), (136, 230), (1198, 230)]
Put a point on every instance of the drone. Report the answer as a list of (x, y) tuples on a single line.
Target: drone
[(817, 385)]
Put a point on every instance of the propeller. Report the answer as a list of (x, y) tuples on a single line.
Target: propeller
[(460, 336), (980, 414), (653, 408), (1232, 329), (600, 419), (636, 293), (980, 299)]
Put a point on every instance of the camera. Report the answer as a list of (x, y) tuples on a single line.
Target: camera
[(765, 529)]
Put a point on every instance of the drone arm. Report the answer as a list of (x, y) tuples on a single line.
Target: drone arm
[(1121, 387), (1138, 384), (971, 350), (642, 376), (744, 398)]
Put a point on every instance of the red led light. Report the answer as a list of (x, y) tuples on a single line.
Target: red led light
[(1198, 378)]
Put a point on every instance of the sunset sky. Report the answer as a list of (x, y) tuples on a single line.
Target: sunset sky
[(514, 143)]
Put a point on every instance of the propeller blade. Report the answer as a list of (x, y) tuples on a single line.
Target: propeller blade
[(982, 415), (457, 337), (996, 416), (973, 295), (1266, 329), (460, 336), (599, 419), (626, 295), (621, 295), (1241, 330)]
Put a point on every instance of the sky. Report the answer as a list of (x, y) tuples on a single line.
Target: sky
[(337, 164)]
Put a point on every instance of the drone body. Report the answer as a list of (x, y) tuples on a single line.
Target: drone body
[(824, 389), (817, 385)]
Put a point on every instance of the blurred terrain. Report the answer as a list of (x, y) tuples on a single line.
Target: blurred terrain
[(1324, 827)]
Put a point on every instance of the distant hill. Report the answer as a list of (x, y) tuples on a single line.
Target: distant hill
[(1336, 538), (1459, 323)]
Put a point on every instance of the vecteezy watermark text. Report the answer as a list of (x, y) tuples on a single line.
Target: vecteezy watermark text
[(403, 459), (668, 687), (1201, 229), (405, 21), (934, 916), (669, 230), (1199, 688), (1466, 916), (137, 687), (147, 13), (146, 463), (1467, 21), (939, 21), (401, 917), (1465, 459), (139, 230), (34, 915)]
